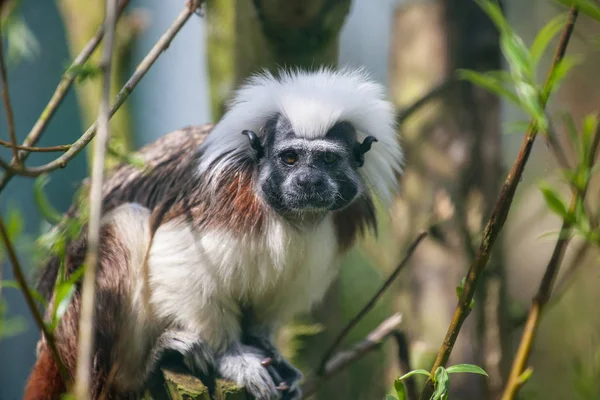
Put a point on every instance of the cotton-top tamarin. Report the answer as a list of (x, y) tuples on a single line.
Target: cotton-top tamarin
[(235, 229)]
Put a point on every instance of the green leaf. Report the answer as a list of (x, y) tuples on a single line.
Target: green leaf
[(560, 71), (22, 43), (492, 9), (36, 295), (442, 384), (490, 82), (554, 202), (415, 372), (544, 36), (63, 296), (590, 125), (469, 368), (400, 389), (589, 7), (84, 72), (524, 377), (49, 213), (516, 126), (390, 397), (518, 57), (459, 290), (530, 101), (14, 223)]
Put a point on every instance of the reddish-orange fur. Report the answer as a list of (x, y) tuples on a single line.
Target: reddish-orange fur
[(45, 382)]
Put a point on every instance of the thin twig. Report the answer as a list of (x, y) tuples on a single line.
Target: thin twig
[(435, 92), (123, 94), (37, 317), (554, 144), (50, 149), (404, 361), (496, 221), (85, 344), (60, 93), (10, 118), (370, 304), (344, 358), (542, 296)]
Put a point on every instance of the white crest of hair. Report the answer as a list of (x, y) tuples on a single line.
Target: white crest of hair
[(313, 102)]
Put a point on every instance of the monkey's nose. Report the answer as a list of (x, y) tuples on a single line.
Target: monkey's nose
[(310, 181)]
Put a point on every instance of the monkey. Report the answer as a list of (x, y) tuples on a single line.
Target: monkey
[(230, 232)]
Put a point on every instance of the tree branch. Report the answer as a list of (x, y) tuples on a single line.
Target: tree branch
[(10, 118), (37, 317), (370, 304), (540, 300), (50, 149), (141, 70), (435, 92), (404, 363), (496, 221), (85, 346), (59, 94), (344, 358)]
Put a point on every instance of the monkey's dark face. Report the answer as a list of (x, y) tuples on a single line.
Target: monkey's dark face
[(300, 175)]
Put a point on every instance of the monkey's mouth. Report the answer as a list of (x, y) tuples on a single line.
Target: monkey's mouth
[(309, 202)]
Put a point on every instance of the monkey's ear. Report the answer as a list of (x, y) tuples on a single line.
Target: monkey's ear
[(361, 149), (255, 143)]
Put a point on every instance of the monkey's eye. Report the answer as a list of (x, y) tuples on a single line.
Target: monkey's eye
[(289, 157), (330, 158)]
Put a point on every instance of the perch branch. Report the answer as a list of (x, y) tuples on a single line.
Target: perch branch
[(542, 296), (344, 358), (497, 219), (85, 344), (370, 304), (37, 317), (141, 70), (10, 118)]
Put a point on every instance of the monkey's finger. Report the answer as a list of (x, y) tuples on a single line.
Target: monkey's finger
[(277, 378), (266, 362)]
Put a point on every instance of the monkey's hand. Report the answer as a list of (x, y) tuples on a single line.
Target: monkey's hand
[(197, 356), (283, 372), (244, 365)]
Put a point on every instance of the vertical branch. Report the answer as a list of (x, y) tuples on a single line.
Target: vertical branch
[(37, 317), (86, 323), (7, 105), (542, 296), (497, 219)]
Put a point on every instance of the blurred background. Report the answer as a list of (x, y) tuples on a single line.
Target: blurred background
[(459, 147)]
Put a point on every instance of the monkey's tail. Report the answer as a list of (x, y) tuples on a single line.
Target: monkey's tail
[(45, 382)]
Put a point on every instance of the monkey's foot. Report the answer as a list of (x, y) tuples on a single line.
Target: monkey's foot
[(243, 365), (285, 375), (197, 356)]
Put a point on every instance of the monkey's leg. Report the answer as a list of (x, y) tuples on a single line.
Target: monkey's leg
[(197, 355)]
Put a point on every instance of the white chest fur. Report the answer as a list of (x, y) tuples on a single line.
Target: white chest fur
[(203, 278)]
